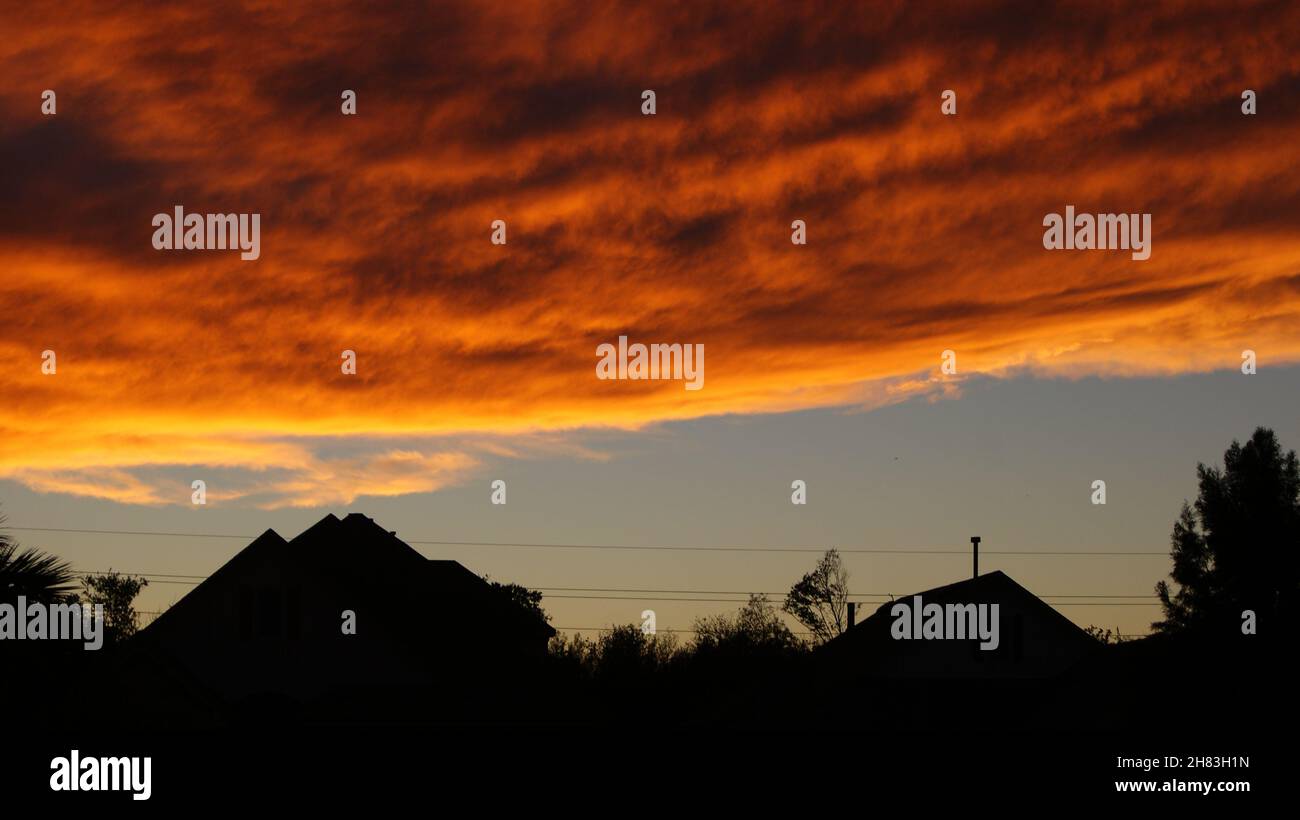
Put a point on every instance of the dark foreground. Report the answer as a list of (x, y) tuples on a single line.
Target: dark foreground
[(1160, 715)]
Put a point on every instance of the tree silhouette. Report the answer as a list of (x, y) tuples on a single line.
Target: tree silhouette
[(1238, 548), (572, 655), (756, 630), (32, 574), (626, 653), (527, 601), (820, 599), (115, 592)]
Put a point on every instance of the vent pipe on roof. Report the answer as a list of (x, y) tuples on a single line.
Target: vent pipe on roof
[(975, 544), (852, 613)]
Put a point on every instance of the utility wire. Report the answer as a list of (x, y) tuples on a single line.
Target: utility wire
[(160, 578), (156, 613), (683, 548), (740, 601)]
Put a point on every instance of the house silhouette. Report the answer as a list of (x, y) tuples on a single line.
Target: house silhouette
[(1035, 640), (269, 623)]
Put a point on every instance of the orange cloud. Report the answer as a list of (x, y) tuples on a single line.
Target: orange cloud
[(924, 230)]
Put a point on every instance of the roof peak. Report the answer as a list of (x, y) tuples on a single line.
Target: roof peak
[(268, 535)]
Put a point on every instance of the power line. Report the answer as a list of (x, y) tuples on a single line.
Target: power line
[(130, 532), (794, 632), (151, 579), (750, 592), (680, 548), (156, 613), (880, 595), (741, 601), (149, 575), (657, 630)]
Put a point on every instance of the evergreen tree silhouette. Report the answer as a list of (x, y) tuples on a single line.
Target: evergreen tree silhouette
[(1238, 547)]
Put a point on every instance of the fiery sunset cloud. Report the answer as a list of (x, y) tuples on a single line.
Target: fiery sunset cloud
[(924, 231)]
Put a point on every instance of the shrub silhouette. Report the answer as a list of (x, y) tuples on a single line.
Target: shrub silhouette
[(115, 592)]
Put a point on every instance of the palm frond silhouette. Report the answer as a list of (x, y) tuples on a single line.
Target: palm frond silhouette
[(33, 574)]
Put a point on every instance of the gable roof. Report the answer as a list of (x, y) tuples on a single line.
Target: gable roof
[(268, 542), (357, 551), (991, 587), (1053, 640)]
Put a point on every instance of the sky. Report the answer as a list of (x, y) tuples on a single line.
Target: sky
[(477, 361)]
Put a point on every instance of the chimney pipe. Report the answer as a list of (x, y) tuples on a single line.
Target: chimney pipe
[(852, 613), (975, 543)]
